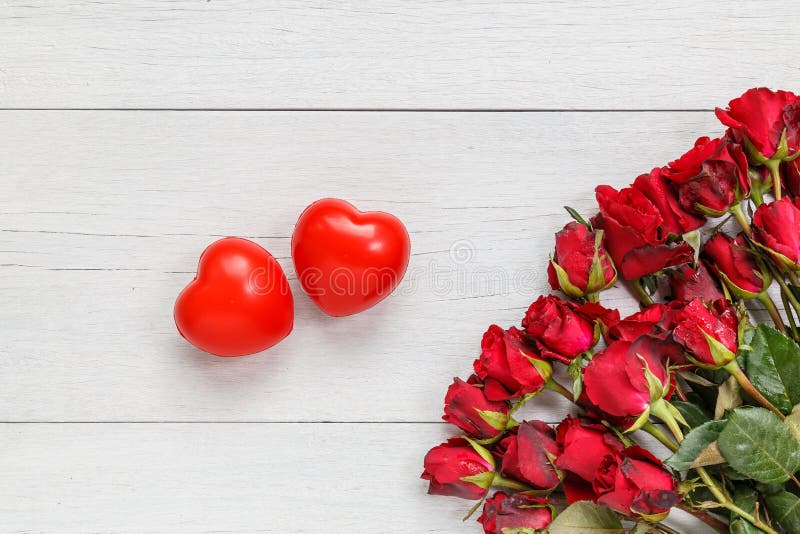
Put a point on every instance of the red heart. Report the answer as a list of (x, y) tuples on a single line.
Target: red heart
[(239, 303), (348, 260)]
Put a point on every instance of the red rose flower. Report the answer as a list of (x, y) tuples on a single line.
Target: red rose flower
[(584, 444), (791, 173), (634, 482), (559, 329), (776, 227), (635, 235), (677, 219), (456, 469), (711, 177), (616, 379), (508, 366), (580, 265), (736, 266), (640, 323), (688, 283), (709, 333), (762, 117), (467, 407), (505, 513), (526, 455)]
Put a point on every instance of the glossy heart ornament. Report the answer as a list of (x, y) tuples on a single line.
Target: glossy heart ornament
[(348, 260), (238, 304)]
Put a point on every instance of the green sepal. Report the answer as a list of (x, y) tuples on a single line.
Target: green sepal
[(544, 369), (497, 420), (482, 451), (564, 282), (577, 216), (482, 480), (719, 352)]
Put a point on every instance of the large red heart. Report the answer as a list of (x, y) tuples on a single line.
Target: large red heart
[(348, 260), (239, 303)]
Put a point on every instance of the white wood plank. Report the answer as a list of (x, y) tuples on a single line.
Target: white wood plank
[(392, 54), (104, 215), (232, 478)]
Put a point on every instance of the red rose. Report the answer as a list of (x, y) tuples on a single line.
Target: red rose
[(580, 265), (515, 513), (709, 333), (467, 407), (635, 235), (711, 177), (688, 283), (640, 323), (776, 227), (791, 173), (616, 379), (584, 444), (677, 219), (634, 482), (508, 366), (559, 329), (526, 455), (456, 469), (736, 265), (762, 117)]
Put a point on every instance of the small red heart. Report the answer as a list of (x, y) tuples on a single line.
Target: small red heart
[(239, 303), (348, 260)]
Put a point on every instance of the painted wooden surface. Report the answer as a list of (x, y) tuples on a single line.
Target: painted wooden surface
[(109, 422), (392, 54)]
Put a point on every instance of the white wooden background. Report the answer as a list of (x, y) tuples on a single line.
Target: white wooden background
[(132, 134)]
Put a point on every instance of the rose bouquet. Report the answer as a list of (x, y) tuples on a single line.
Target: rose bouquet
[(693, 369)]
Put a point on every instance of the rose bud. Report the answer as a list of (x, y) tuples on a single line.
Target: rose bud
[(711, 177), (558, 328), (509, 367), (527, 455), (766, 121), (632, 380), (459, 468), (520, 513), (776, 228), (635, 483), (640, 323), (635, 235), (738, 268), (584, 444), (677, 219), (580, 266), (467, 407), (709, 333), (688, 283)]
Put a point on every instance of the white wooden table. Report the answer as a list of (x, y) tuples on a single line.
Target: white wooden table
[(133, 134)]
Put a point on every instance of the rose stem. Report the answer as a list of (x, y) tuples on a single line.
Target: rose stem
[(725, 501), (773, 165), (736, 371), (787, 292), (793, 278), (738, 214), (667, 530), (769, 304), (712, 484), (641, 294), (790, 315), (708, 519), (552, 385), (660, 435)]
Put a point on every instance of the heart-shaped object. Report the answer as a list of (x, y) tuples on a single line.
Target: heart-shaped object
[(238, 304), (348, 260)]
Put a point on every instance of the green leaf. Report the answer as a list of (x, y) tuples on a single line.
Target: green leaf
[(694, 414), (759, 445), (695, 442), (746, 499), (784, 509), (793, 422), (773, 367), (585, 516)]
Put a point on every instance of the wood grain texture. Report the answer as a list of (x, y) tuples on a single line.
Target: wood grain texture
[(106, 213), (231, 478), (393, 54)]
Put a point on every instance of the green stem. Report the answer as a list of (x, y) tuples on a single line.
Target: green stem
[(660, 409), (793, 278), (660, 435), (644, 298), (708, 519), (736, 371), (790, 316), (552, 385), (502, 482), (786, 290), (774, 171), (769, 304), (726, 502), (741, 218), (757, 195)]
